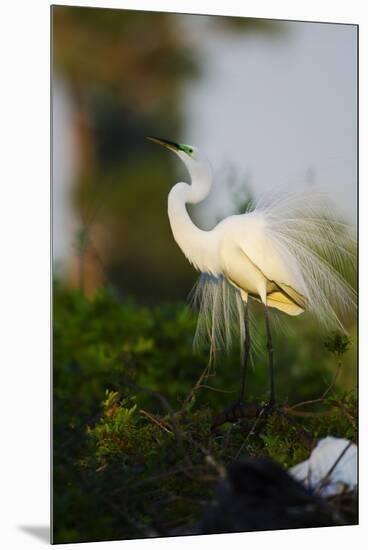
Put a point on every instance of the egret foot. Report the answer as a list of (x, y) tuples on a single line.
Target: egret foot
[(269, 408)]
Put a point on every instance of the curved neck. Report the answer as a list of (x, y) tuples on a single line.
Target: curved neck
[(197, 245)]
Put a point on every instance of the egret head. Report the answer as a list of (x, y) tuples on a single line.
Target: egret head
[(188, 153)]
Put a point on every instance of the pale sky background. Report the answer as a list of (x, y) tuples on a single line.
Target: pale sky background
[(281, 111), (63, 174)]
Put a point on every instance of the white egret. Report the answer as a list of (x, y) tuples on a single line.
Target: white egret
[(283, 254)]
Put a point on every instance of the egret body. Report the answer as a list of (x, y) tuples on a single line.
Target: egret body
[(277, 254)]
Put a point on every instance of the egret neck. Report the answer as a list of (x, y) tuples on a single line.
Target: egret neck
[(199, 246)]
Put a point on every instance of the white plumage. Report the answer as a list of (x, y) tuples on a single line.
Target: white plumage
[(287, 252)]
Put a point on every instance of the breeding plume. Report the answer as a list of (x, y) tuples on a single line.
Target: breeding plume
[(288, 253)]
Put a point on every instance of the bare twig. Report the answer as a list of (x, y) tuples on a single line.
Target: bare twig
[(156, 421), (326, 479), (251, 432), (325, 393), (207, 387), (204, 375), (304, 414), (167, 407)]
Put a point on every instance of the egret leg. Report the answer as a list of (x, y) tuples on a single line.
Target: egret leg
[(272, 399), (246, 354), (240, 409)]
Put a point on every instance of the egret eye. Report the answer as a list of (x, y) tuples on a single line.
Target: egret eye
[(186, 148)]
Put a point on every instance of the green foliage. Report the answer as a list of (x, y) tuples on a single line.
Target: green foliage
[(282, 443), (133, 456), (338, 343)]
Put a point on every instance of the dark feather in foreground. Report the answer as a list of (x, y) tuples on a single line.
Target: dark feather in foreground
[(258, 495)]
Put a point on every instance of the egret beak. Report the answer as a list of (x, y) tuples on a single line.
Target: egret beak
[(165, 143)]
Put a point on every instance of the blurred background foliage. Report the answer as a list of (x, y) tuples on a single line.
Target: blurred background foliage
[(126, 73), (119, 306)]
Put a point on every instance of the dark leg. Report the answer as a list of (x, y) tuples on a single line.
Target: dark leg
[(240, 409), (272, 400), (246, 354)]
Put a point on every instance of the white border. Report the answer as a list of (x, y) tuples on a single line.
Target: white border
[(25, 242)]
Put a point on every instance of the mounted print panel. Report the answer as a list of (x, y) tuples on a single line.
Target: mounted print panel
[(204, 274)]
